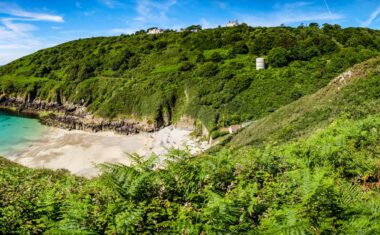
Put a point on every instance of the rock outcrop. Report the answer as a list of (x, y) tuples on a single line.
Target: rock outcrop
[(73, 116)]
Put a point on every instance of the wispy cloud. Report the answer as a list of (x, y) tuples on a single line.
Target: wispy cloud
[(14, 10), (205, 24), (19, 29), (291, 13), (89, 13), (374, 15), (123, 30), (293, 5), (149, 13), (221, 5), (290, 18), (327, 7), (111, 3), (153, 11), (16, 31)]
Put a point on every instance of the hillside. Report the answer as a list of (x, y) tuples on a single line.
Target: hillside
[(326, 184), (354, 94), (308, 164), (208, 75)]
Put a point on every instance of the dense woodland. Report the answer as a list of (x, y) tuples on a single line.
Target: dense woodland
[(309, 163)]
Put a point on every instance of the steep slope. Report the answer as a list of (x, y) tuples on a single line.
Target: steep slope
[(208, 75), (355, 94), (327, 183)]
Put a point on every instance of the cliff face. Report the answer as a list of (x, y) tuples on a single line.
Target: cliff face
[(74, 117)]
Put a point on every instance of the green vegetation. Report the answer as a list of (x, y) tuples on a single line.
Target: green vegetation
[(355, 95), (325, 184), (209, 75), (308, 164)]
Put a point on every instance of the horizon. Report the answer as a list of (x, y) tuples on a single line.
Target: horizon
[(26, 27)]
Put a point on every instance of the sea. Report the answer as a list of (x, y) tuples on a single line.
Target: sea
[(18, 132)]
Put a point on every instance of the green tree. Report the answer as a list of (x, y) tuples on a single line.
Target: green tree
[(278, 57), (215, 57)]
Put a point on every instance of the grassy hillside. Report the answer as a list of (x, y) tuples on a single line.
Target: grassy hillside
[(353, 94), (209, 75), (317, 167), (325, 184)]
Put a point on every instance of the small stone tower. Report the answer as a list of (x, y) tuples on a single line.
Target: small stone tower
[(260, 63)]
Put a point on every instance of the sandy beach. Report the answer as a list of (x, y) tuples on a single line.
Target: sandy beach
[(79, 151)]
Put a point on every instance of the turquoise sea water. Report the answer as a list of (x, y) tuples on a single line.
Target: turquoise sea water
[(16, 133)]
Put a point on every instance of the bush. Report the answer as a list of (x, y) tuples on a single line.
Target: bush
[(215, 57), (278, 57), (186, 66), (208, 69), (240, 48)]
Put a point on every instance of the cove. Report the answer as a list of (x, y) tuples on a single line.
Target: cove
[(26, 141), (18, 132)]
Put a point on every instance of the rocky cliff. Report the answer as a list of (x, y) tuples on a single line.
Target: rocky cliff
[(73, 117)]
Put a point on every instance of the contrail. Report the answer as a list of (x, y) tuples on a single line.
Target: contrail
[(328, 8)]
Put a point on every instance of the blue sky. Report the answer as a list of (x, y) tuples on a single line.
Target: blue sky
[(29, 25)]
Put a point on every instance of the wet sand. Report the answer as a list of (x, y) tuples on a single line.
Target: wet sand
[(79, 151)]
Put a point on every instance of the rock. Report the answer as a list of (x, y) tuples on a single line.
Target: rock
[(74, 117), (2, 98)]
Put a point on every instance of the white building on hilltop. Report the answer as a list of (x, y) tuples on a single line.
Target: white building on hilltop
[(154, 31), (232, 23)]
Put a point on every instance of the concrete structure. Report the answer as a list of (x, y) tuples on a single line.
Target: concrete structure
[(154, 31), (234, 128), (232, 23), (260, 63)]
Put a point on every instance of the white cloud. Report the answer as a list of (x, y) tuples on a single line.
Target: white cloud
[(89, 13), (221, 5), (327, 7), (293, 5), (291, 13), (206, 24), (15, 11), (111, 3), (16, 31), (374, 15), (289, 18), (123, 31), (149, 11)]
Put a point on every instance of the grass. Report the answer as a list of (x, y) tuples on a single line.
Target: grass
[(340, 97), (166, 69), (238, 59), (223, 52)]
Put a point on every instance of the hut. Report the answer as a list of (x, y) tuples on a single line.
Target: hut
[(260, 63)]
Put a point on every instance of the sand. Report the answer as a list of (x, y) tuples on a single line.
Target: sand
[(80, 152)]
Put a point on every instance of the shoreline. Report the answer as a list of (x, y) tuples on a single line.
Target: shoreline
[(77, 141), (80, 151), (71, 116)]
